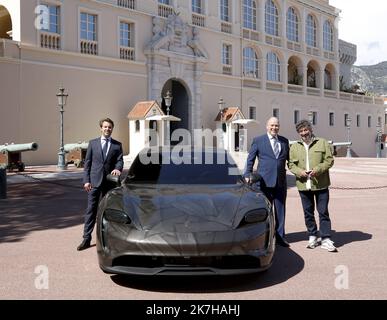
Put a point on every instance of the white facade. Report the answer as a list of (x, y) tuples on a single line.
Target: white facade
[(263, 56)]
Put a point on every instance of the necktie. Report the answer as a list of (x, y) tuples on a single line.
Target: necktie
[(105, 148), (276, 148)]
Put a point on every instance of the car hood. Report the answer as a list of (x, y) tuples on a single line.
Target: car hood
[(187, 208)]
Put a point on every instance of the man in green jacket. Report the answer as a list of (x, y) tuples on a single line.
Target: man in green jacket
[(310, 160)]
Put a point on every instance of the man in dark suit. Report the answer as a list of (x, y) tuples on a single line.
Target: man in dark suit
[(104, 156), (272, 152)]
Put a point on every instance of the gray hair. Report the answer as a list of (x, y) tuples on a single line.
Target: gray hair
[(303, 124)]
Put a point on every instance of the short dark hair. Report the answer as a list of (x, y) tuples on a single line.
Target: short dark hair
[(106, 120), (303, 124)]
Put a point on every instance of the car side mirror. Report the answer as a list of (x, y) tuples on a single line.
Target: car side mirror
[(116, 180)]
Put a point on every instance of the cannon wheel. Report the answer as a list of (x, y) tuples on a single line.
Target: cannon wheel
[(21, 166)]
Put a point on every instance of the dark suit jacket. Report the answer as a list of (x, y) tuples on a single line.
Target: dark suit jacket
[(272, 170), (96, 169)]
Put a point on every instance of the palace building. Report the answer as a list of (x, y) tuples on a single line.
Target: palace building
[(250, 59)]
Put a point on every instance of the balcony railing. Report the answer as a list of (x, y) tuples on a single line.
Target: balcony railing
[(165, 10), (89, 47), (313, 91), (130, 4), (226, 27), (274, 41), (313, 51), (50, 40), (198, 20), (251, 34), (227, 69), (295, 46), (329, 55), (127, 53), (252, 83), (274, 86), (329, 93), (294, 88)]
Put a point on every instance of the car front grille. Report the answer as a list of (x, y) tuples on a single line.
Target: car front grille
[(219, 262)]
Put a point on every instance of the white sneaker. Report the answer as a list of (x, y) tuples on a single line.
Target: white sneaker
[(313, 242), (327, 244)]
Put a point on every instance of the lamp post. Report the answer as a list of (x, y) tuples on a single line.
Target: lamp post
[(62, 99), (348, 126), (378, 140), (221, 104), (168, 102)]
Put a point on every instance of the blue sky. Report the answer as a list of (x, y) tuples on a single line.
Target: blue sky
[(364, 23)]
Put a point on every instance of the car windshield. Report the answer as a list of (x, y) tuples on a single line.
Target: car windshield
[(194, 168)]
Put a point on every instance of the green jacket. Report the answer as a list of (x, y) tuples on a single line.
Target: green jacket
[(320, 160)]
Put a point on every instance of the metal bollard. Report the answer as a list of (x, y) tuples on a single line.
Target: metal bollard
[(3, 183)]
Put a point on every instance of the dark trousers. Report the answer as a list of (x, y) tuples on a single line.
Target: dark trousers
[(277, 197), (308, 203), (93, 198)]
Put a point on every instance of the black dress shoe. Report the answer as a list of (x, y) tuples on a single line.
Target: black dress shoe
[(84, 245), (283, 243)]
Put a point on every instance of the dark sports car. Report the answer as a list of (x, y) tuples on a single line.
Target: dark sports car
[(174, 218)]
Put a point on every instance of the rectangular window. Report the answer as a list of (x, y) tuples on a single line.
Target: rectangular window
[(331, 119), (226, 54), (314, 118), (296, 116), (167, 2), (197, 6), (369, 121), (379, 121), (88, 27), (126, 34), (276, 113), (358, 120), (54, 19), (224, 10), (253, 113), (346, 117)]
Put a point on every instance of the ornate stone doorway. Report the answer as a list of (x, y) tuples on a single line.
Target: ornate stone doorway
[(175, 61)]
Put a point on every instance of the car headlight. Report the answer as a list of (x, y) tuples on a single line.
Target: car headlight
[(257, 215), (116, 216)]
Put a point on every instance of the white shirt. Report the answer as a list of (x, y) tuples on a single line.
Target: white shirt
[(108, 141), (272, 141), (307, 166)]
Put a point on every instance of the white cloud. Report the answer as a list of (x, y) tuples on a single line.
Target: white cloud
[(364, 23)]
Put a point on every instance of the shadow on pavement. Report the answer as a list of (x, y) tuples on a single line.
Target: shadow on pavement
[(38, 206), (286, 265), (340, 238)]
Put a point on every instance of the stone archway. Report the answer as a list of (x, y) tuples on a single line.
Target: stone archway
[(5, 23), (180, 103)]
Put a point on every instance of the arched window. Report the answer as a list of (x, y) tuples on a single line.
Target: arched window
[(250, 63), (292, 25), (327, 80), (250, 14), (271, 18), (311, 31), (273, 67), (328, 36)]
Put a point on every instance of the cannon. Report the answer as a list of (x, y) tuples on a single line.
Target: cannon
[(76, 153), (10, 155)]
